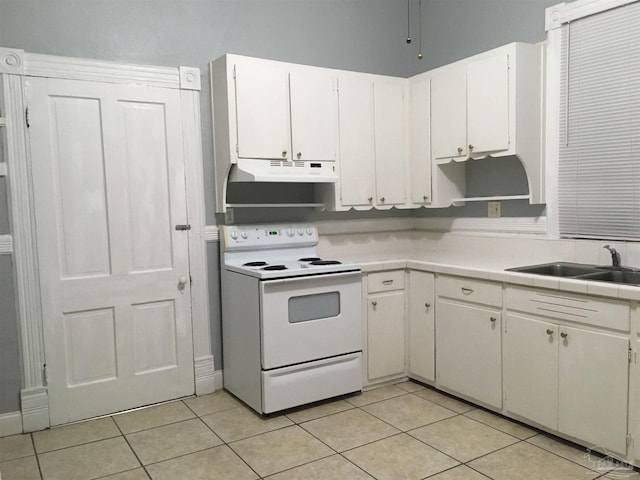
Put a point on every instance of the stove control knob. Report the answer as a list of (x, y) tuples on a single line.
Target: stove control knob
[(291, 232), (234, 234), (243, 234), (300, 232), (309, 231)]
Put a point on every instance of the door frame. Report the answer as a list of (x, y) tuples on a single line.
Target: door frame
[(15, 66)]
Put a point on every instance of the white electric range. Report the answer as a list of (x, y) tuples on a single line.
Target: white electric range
[(291, 321)]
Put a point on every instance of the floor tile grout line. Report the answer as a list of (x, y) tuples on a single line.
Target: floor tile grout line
[(135, 454), (33, 444), (80, 444)]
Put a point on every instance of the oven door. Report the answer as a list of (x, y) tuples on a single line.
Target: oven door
[(309, 318)]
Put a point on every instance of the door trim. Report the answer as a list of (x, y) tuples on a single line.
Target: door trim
[(34, 397)]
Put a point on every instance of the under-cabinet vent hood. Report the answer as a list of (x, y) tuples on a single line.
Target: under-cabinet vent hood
[(260, 170)]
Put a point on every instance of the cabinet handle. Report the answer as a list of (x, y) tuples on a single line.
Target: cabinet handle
[(370, 199), (374, 303), (466, 291), (493, 319), (459, 149), (299, 155), (284, 154), (470, 147), (425, 198), (564, 334), (549, 331), (382, 199), (387, 282), (427, 305)]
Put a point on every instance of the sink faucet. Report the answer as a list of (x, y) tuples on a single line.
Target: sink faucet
[(615, 256)]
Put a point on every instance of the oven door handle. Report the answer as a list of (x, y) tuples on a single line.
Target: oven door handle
[(314, 277)]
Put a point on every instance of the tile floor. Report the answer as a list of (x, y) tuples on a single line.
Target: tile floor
[(404, 431)]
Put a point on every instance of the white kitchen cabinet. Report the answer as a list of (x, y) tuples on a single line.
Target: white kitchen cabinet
[(421, 326), (385, 326), (419, 155), (567, 377), (468, 339), (489, 104), (373, 144), (285, 113)]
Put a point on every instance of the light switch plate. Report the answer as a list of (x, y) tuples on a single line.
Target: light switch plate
[(493, 209)]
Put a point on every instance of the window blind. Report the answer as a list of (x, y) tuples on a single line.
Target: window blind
[(599, 127)]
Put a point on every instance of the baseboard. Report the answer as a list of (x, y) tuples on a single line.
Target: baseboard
[(10, 424), (205, 375), (218, 380), (35, 409)]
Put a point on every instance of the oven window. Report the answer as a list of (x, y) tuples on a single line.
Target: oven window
[(314, 307)]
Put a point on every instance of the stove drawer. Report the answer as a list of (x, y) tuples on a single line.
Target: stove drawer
[(312, 381)]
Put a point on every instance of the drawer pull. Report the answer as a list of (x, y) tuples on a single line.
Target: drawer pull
[(374, 303), (466, 291), (493, 319), (387, 282), (564, 334), (427, 305), (549, 331)]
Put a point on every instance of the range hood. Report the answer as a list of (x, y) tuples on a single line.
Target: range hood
[(264, 170)]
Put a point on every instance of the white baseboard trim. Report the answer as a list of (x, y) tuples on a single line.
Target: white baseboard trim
[(35, 409), (10, 424), (484, 226), (205, 375), (218, 380)]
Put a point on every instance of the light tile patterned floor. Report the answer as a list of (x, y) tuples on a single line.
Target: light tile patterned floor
[(404, 431)]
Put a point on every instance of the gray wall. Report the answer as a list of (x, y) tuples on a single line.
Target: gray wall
[(361, 35)]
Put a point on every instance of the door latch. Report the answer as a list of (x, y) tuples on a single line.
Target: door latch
[(183, 227)]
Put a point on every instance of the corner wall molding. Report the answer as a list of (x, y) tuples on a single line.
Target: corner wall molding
[(12, 61), (6, 245), (35, 409), (189, 78), (558, 15)]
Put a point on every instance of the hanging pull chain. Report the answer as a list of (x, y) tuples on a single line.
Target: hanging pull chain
[(420, 28), (408, 21)]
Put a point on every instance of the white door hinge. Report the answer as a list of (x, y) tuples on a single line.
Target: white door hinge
[(45, 375), (629, 355), (629, 440), (26, 117)]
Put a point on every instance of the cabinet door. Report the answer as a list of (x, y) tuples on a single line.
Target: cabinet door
[(531, 369), (357, 174), (390, 142), (314, 124), (488, 104), (421, 325), (468, 352), (419, 158), (449, 112), (262, 109), (593, 386), (385, 335)]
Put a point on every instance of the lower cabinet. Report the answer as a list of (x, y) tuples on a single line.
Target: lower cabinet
[(385, 326), (566, 377), (469, 338), (421, 326)]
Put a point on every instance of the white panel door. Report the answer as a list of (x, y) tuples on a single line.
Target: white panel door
[(488, 104), (314, 115), (421, 325), (357, 171), (390, 141), (262, 111), (109, 188), (420, 141), (449, 112), (385, 335)]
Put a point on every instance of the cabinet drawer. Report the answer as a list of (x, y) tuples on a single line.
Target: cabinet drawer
[(385, 281), (469, 290), (599, 312)]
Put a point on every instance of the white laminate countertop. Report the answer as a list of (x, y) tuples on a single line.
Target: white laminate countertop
[(588, 287)]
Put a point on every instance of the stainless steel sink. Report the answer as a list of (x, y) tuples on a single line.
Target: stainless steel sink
[(558, 269), (580, 271)]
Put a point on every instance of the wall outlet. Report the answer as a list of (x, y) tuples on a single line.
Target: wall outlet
[(493, 209)]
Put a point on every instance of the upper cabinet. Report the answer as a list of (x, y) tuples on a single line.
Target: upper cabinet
[(373, 144), (488, 105), (419, 129)]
